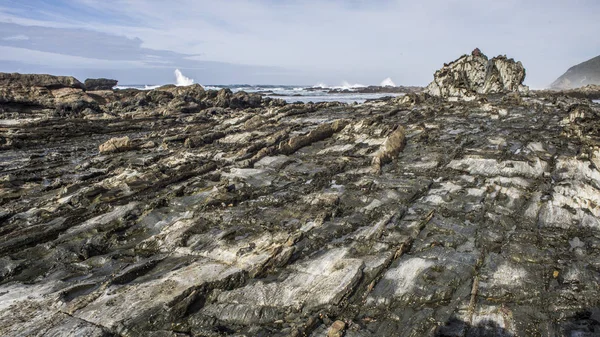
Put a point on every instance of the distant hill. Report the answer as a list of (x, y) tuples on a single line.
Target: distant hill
[(577, 76)]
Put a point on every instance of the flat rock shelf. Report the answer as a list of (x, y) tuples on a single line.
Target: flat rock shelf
[(413, 216)]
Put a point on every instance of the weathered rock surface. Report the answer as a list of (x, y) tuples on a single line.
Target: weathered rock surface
[(39, 97), (92, 84), (39, 80), (256, 218), (590, 91), (475, 74), (585, 73), (115, 145)]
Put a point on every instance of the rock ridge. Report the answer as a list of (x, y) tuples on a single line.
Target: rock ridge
[(474, 74)]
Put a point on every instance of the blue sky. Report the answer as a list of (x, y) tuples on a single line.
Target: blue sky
[(291, 42)]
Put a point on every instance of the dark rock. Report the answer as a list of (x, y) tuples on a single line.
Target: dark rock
[(92, 84), (590, 91), (374, 90), (243, 100), (39, 80), (477, 53)]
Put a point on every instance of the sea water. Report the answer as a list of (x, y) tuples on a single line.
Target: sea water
[(291, 93)]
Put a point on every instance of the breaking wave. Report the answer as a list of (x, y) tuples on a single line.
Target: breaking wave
[(181, 79), (346, 85), (387, 83)]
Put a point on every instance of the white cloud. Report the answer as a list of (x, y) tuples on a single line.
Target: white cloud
[(19, 37), (363, 41), (35, 57)]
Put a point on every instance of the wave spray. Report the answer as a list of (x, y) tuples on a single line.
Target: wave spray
[(181, 79), (388, 83)]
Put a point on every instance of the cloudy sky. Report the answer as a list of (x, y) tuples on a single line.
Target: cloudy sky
[(291, 41)]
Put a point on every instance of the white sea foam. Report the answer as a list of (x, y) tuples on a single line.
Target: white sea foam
[(139, 87), (181, 79), (320, 85), (346, 85), (388, 83)]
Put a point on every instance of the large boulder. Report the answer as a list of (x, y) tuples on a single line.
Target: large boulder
[(63, 93), (475, 74), (92, 84), (39, 80)]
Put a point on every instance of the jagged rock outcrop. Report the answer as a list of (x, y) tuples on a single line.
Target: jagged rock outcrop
[(92, 84), (413, 217), (586, 73), (475, 74)]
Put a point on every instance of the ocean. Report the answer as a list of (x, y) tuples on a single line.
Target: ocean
[(295, 93)]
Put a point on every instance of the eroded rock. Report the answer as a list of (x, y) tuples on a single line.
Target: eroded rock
[(115, 145), (208, 213), (92, 84), (475, 74)]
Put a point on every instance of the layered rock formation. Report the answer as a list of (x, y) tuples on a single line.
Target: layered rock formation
[(589, 91), (586, 73), (185, 212), (93, 84), (42, 96), (475, 74), (38, 80)]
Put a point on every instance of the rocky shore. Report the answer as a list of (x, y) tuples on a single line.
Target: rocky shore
[(372, 89), (471, 209)]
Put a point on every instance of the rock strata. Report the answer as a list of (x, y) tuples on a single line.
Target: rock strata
[(92, 84), (234, 215), (590, 91), (475, 74), (39, 80)]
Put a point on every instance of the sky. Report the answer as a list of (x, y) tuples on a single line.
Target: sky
[(291, 41)]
